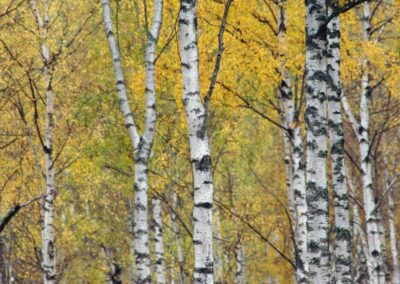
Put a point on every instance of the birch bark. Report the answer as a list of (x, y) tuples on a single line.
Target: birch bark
[(177, 232), (392, 226), (362, 245), (336, 136), (240, 263), (158, 240), (198, 141), (315, 117), (294, 156), (361, 128), (141, 144), (48, 240)]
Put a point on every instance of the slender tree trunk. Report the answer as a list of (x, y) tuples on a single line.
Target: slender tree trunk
[(362, 245), (294, 156), (240, 263), (141, 145), (177, 232), (393, 241), (198, 141), (315, 117), (392, 226), (158, 240), (336, 135), (219, 258), (372, 218), (48, 241)]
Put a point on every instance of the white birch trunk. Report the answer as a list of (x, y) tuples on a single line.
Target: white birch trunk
[(177, 232), (141, 145), (362, 246), (371, 216), (294, 157), (336, 136), (240, 263), (198, 141), (393, 241), (315, 117), (158, 240), (219, 258), (48, 249), (392, 226)]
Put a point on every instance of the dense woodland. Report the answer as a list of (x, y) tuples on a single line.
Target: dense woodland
[(213, 141)]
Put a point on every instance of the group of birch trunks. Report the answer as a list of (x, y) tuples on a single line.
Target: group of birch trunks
[(337, 237)]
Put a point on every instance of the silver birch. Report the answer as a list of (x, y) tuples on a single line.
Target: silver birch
[(336, 136), (178, 237), (315, 117), (240, 263), (392, 226), (158, 240), (48, 240), (361, 128), (198, 141), (294, 156), (141, 144)]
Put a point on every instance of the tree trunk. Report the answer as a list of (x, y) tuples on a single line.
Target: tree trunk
[(392, 226), (315, 117), (393, 241), (372, 221), (360, 274), (198, 141), (336, 135), (177, 232), (141, 145), (240, 263), (219, 258), (48, 249), (294, 157), (158, 240)]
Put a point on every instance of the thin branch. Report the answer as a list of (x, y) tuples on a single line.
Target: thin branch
[(217, 60), (14, 210)]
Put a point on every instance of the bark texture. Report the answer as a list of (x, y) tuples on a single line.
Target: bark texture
[(159, 241), (198, 141), (315, 118), (375, 254), (48, 240), (294, 156), (336, 135)]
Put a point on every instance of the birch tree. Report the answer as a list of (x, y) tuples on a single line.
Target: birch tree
[(198, 141), (48, 238), (196, 120), (141, 145), (315, 118), (336, 137), (294, 155), (158, 240), (361, 128)]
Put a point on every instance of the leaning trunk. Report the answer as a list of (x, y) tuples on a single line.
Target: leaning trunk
[(198, 141), (336, 136)]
